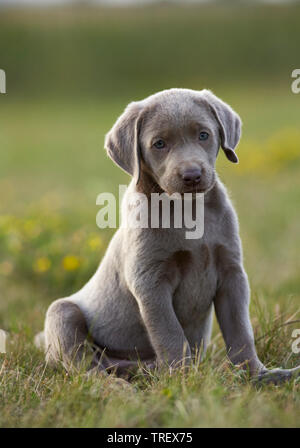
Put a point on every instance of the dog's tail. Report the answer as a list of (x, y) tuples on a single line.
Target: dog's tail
[(39, 340)]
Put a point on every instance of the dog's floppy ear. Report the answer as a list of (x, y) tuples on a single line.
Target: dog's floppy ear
[(229, 122), (122, 141)]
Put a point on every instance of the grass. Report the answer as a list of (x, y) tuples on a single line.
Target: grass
[(210, 395), (53, 166)]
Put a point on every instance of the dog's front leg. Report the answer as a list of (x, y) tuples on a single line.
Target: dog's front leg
[(164, 330), (232, 310)]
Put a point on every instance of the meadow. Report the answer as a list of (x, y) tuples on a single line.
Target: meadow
[(70, 73)]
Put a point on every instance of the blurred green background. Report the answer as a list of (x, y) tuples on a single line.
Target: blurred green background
[(70, 73)]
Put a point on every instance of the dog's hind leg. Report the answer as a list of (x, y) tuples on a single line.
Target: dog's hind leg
[(65, 341), (66, 334)]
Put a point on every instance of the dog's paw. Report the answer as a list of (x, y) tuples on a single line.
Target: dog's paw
[(277, 376)]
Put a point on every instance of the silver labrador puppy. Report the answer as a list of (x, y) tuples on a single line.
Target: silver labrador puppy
[(152, 297)]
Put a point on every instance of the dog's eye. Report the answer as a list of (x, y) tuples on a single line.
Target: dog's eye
[(159, 144), (203, 135)]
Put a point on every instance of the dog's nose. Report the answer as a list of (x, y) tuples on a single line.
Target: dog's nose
[(192, 176)]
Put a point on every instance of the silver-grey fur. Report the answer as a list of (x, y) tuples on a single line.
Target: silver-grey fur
[(153, 294)]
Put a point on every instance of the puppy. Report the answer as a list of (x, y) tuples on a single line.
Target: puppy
[(152, 297)]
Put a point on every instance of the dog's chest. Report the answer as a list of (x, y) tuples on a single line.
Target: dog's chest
[(197, 282)]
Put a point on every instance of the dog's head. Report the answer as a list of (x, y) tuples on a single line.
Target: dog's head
[(174, 137)]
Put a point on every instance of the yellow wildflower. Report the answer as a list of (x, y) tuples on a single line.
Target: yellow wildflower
[(268, 157), (42, 264), (95, 242), (167, 392), (71, 263), (31, 228)]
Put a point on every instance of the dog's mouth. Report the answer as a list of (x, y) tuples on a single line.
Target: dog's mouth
[(198, 188), (194, 190), (202, 187)]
